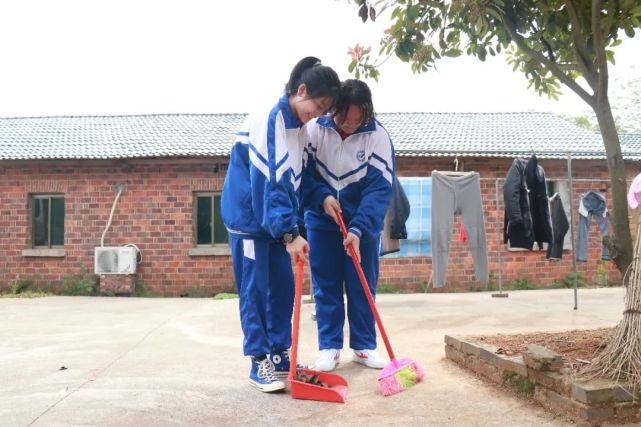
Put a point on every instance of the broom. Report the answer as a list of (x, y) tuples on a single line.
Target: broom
[(399, 374)]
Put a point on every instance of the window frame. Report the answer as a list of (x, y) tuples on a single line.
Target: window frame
[(213, 244), (46, 196)]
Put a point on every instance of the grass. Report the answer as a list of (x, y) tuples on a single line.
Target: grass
[(225, 295), (520, 383), (27, 294)]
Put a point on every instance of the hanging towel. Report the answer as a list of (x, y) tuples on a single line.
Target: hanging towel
[(462, 234)]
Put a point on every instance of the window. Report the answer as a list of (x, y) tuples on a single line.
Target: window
[(48, 227), (419, 223), (208, 224)]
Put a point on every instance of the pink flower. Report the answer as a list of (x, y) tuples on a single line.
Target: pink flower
[(357, 52)]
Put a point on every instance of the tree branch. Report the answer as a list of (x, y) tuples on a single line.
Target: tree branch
[(510, 26), (599, 48), (581, 48)]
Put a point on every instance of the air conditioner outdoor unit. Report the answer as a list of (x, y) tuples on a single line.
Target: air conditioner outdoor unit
[(115, 260)]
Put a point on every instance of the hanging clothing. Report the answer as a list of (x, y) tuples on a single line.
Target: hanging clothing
[(395, 218), (527, 213), (539, 202), (634, 193), (451, 195), (560, 227), (591, 204)]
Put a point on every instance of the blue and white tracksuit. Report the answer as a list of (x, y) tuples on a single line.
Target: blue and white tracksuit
[(260, 203), (358, 172)]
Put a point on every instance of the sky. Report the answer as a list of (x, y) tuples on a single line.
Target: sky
[(95, 57)]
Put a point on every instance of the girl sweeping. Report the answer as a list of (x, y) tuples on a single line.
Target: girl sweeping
[(350, 167), (260, 206)]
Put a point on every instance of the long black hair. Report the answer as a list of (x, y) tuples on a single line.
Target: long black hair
[(320, 80), (355, 92)]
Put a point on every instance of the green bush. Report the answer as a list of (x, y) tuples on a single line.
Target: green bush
[(520, 284), (79, 284), (21, 285), (568, 281)]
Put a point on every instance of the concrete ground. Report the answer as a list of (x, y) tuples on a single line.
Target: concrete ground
[(178, 362)]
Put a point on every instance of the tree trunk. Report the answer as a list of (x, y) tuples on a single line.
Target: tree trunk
[(620, 245)]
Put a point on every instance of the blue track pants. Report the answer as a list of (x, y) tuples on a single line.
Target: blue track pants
[(332, 268), (265, 283)]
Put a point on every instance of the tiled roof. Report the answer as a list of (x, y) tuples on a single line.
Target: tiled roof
[(118, 137), (195, 135)]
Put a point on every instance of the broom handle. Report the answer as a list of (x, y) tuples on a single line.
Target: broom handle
[(298, 290), (368, 293)]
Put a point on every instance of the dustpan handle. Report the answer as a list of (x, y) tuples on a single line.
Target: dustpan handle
[(368, 293), (298, 291)]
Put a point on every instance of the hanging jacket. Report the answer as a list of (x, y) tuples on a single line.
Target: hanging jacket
[(357, 171), (560, 227), (260, 198), (539, 202), (395, 218), (517, 225)]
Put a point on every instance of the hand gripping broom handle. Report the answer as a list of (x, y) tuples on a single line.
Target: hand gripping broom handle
[(368, 293)]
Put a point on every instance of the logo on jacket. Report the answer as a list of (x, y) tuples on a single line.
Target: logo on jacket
[(360, 156)]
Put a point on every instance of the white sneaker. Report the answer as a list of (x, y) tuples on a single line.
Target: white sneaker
[(327, 360), (369, 358)]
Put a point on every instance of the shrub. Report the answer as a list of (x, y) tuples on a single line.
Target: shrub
[(78, 284), (21, 285), (568, 280), (520, 284)]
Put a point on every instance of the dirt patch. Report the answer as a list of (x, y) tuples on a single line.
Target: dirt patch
[(576, 347)]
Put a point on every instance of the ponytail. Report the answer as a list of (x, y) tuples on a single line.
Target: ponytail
[(320, 80)]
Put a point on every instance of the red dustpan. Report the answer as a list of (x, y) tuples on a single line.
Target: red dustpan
[(322, 385)]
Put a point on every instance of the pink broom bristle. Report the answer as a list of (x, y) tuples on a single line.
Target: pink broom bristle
[(400, 375)]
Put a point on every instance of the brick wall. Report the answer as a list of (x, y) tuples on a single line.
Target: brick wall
[(155, 213)]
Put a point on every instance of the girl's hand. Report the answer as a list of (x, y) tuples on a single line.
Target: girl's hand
[(330, 206), (355, 241), (298, 248)]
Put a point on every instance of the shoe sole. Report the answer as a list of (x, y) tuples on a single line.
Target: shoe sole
[(364, 363), (267, 388), (327, 370)]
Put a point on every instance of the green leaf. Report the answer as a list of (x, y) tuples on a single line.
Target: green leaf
[(352, 65), (453, 53)]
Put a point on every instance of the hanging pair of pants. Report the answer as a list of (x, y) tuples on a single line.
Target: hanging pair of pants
[(265, 283), (582, 240), (333, 269), (452, 195)]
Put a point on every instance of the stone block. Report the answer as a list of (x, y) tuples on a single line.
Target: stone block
[(541, 358), (594, 391), (470, 348), (486, 354), (453, 341), (555, 381), (512, 364)]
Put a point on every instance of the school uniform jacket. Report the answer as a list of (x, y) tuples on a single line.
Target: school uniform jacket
[(357, 171), (260, 198)]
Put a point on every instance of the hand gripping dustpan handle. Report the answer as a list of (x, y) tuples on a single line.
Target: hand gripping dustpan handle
[(368, 293), (298, 291)]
